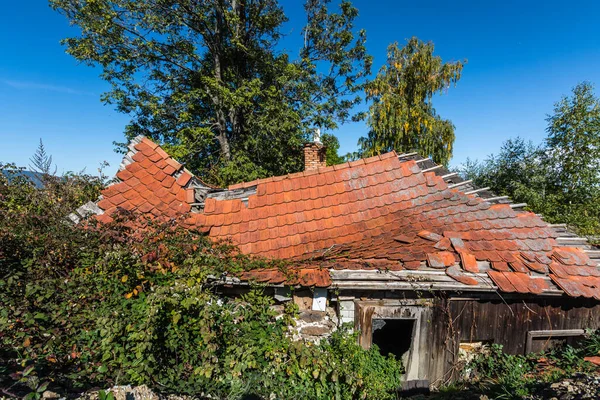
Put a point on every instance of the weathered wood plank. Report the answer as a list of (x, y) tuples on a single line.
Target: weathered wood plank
[(518, 205), (483, 189), (432, 168), (455, 185), (497, 198)]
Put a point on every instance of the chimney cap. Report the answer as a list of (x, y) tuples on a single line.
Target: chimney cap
[(317, 136)]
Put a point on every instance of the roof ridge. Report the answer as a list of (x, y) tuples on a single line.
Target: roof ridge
[(317, 171)]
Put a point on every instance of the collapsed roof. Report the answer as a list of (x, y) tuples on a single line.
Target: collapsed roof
[(379, 222)]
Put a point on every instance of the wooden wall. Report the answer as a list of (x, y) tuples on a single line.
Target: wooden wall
[(449, 320)]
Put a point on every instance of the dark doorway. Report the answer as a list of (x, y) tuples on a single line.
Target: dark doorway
[(394, 336)]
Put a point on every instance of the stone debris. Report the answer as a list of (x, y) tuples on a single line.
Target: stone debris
[(142, 392), (579, 386)]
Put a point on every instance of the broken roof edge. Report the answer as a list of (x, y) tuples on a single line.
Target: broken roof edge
[(180, 174), (566, 237)]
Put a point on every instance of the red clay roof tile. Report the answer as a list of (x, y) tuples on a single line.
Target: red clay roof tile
[(379, 207), (519, 280), (538, 285), (500, 266), (441, 259), (457, 274), (572, 287), (469, 263), (124, 174), (519, 266), (434, 237), (404, 239), (501, 281), (443, 244)]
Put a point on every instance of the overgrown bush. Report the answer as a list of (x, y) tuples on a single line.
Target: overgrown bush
[(502, 375), (89, 305), (503, 372)]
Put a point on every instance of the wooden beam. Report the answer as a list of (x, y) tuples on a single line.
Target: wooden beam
[(496, 198), (518, 205), (408, 155), (432, 168), (487, 287), (460, 184), (478, 190), (453, 286), (571, 239), (450, 175)]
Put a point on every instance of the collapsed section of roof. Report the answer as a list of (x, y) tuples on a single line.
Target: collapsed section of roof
[(359, 219)]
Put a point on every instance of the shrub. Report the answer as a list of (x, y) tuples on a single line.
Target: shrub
[(516, 376), (84, 305)]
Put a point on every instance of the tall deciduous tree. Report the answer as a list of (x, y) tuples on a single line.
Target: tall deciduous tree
[(402, 117), (573, 143), (206, 80)]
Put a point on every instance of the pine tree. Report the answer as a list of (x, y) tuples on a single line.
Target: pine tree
[(41, 162)]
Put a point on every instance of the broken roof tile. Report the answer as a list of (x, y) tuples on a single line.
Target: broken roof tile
[(441, 259), (519, 280), (501, 281), (468, 262), (434, 237), (443, 244), (457, 274), (538, 285)]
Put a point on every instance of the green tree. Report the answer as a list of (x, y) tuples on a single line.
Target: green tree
[(205, 78), (402, 116), (332, 145), (573, 152), (559, 179), (573, 144), (519, 170)]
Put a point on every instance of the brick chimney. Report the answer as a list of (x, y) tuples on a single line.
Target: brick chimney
[(314, 153)]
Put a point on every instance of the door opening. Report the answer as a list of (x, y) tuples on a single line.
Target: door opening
[(394, 336)]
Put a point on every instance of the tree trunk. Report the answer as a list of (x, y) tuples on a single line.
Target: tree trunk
[(221, 121)]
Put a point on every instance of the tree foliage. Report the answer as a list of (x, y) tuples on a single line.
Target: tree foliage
[(332, 145), (402, 116), (559, 178), (206, 79), (573, 144)]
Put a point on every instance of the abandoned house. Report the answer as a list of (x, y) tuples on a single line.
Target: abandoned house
[(421, 262)]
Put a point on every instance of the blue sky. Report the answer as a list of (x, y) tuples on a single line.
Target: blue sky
[(522, 56)]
